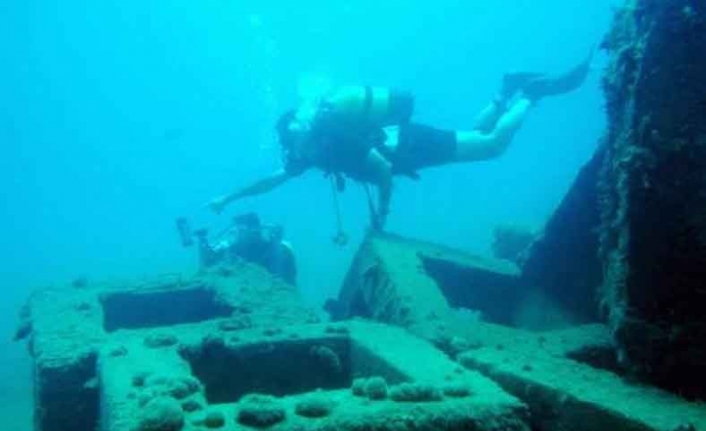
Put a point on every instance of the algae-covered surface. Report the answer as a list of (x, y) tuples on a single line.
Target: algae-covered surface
[(570, 378), (421, 387), (67, 327), (415, 284), (236, 350), (582, 395), (652, 191)]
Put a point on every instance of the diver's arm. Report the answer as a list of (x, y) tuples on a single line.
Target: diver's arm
[(381, 172), (259, 187)]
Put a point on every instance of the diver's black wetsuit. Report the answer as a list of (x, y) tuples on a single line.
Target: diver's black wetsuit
[(341, 143), (274, 256)]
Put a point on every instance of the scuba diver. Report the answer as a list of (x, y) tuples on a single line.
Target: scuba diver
[(365, 133), (246, 239)]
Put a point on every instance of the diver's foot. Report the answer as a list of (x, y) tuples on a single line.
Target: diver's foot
[(516, 81), (545, 86)]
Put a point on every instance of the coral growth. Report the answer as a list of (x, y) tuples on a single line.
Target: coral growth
[(415, 392), (314, 406), (177, 387), (373, 388), (376, 388), (214, 419), (457, 390), (260, 411), (161, 414), (326, 358), (210, 419), (358, 387), (158, 340), (191, 405)]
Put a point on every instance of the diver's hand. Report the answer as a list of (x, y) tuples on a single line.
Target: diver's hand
[(217, 205)]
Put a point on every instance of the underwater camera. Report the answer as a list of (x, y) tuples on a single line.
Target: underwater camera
[(247, 225), (187, 234), (184, 230)]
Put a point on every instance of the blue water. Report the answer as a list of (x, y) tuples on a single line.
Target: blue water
[(118, 116)]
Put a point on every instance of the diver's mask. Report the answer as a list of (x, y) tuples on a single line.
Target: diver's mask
[(251, 230)]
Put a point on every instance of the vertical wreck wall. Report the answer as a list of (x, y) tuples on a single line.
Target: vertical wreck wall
[(563, 261), (652, 191)]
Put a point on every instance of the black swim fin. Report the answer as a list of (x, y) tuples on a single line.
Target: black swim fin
[(516, 81), (566, 82)]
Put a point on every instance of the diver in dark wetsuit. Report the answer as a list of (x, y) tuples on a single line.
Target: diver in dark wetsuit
[(365, 133), (251, 241)]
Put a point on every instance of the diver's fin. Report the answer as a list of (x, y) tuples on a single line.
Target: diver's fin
[(566, 82), (515, 81)]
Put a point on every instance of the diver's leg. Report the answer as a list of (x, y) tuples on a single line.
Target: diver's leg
[(489, 116), (512, 83), (495, 126), (477, 145)]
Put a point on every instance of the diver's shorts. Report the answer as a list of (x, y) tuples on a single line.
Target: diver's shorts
[(421, 146)]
